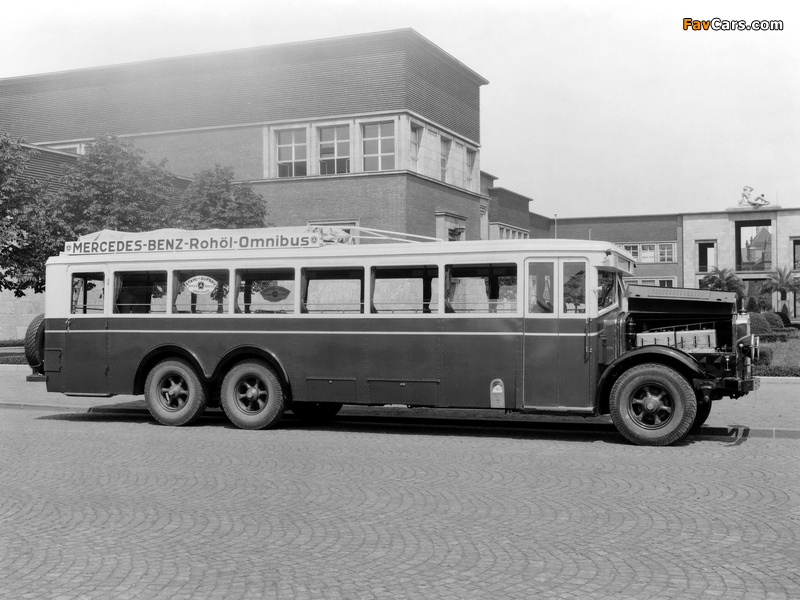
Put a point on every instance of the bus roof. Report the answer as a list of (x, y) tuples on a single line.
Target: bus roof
[(311, 242)]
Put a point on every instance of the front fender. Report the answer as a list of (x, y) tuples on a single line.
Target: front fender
[(666, 355)]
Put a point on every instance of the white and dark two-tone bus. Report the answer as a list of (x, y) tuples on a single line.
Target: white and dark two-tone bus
[(261, 321)]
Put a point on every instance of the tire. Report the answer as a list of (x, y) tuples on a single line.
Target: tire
[(703, 410), (174, 393), (252, 396), (34, 344), (317, 412), (653, 405)]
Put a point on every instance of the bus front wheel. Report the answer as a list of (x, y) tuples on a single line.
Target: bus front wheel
[(653, 405), (251, 396), (174, 393)]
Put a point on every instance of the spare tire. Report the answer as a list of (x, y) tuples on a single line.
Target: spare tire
[(34, 344)]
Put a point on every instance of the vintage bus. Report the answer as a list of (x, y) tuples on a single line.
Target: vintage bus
[(261, 321)]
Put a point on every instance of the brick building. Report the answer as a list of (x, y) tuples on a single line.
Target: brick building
[(380, 130), (678, 250)]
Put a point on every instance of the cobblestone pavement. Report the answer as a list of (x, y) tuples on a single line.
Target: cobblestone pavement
[(99, 506)]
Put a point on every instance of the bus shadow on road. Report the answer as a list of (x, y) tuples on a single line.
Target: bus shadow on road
[(410, 426)]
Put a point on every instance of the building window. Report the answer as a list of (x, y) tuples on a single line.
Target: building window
[(471, 156), (796, 255), (754, 245), (334, 150), (505, 232), (651, 253), (633, 249), (706, 256), (292, 153), (378, 146), (665, 282), (416, 142), (445, 145)]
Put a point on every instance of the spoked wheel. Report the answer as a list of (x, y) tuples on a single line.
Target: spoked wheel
[(174, 393), (653, 405), (251, 396), (317, 412)]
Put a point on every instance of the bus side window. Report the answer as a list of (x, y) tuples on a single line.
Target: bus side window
[(332, 290), (264, 291), (87, 293), (540, 288), (201, 291), (140, 292), (405, 290), (489, 288)]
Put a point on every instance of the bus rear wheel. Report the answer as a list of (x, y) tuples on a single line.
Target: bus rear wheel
[(653, 405), (174, 393), (251, 396)]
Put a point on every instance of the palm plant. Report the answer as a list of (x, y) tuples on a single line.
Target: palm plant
[(723, 280), (781, 280)]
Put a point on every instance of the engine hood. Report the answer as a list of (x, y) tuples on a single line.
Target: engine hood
[(647, 299)]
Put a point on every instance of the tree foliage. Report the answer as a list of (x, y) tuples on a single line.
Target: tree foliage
[(29, 231), (112, 187), (781, 280), (723, 280), (214, 201)]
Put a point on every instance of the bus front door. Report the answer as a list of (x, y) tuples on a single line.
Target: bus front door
[(557, 367)]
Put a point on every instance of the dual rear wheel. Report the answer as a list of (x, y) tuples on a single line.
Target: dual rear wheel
[(251, 394)]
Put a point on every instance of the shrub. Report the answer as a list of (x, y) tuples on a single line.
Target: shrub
[(775, 336), (752, 305), (774, 320), (765, 354), (778, 371), (765, 302), (13, 359), (779, 360), (758, 324)]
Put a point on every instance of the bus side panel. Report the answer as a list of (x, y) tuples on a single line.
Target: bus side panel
[(328, 357), (206, 340), (476, 352), (403, 363)]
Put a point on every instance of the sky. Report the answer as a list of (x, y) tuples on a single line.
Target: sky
[(592, 108)]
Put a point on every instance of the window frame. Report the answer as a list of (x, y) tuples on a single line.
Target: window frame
[(294, 146), (380, 154), (335, 143), (85, 270)]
